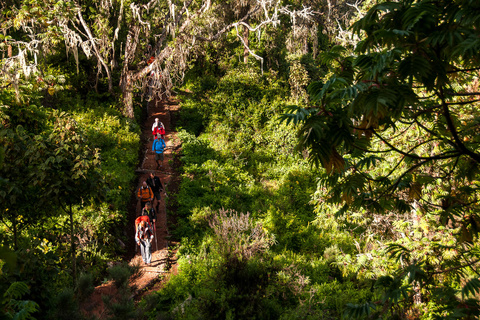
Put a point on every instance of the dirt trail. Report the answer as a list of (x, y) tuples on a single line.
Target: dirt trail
[(162, 110), (161, 264)]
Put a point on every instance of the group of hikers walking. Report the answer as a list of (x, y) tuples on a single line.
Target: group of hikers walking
[(149, 196)]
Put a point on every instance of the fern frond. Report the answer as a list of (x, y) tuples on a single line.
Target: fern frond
[(472, 287), (319, 91), (350, 92), (396, 294), (415, 65), (419, 12), (17, 290), (25, 309), (398, 251), (468, 48), (335, 53), (373, 16), (296, 115), (355, 311), (414, 272)]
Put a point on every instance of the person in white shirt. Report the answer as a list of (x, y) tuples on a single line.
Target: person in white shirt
[(144, 237), (155, 124)]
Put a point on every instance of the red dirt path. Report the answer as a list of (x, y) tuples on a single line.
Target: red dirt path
[(152, 275)]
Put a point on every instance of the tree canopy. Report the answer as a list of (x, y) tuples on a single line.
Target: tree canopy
[(395, 126)]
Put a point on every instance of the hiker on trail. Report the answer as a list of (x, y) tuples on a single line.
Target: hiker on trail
[(155, 124), (150, 212), (159, 129), (158, 146), (156, 185), (144, 194), (144, 237)]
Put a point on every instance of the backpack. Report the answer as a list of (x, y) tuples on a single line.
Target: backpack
[(140, 219), (157, 142)]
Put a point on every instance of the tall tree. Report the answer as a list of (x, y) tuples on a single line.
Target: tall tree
[(146, 45), (54, 170), (396, 128)]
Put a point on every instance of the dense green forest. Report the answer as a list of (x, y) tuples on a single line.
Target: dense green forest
[(329, 158)]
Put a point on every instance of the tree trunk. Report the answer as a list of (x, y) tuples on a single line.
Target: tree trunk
[(129, 78), (72, 244), (245, 50), (15, 235), (127, 95)]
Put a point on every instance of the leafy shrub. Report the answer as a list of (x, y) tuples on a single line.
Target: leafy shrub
[(11, 305), (237, 237), (208, 82), (192, 119), (65, 306), (42, 242), (121, 274), (244, 161), (85, 286), (195, 150)]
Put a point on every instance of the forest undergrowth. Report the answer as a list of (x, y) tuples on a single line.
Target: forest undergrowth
[(251, 244), (329, 163)]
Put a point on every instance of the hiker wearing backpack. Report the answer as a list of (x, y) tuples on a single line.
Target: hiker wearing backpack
[(160, 129), (144, 237), (149, 212), (155, 124), (144, 194), (158, 146), (156, 185), (157, 128)]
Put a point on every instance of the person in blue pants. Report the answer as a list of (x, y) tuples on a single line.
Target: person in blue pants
[(158, 146)]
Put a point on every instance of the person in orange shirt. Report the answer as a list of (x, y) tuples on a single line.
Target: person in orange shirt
[(144, 194)]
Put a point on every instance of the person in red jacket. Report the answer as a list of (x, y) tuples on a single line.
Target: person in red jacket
[(157, 128)]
